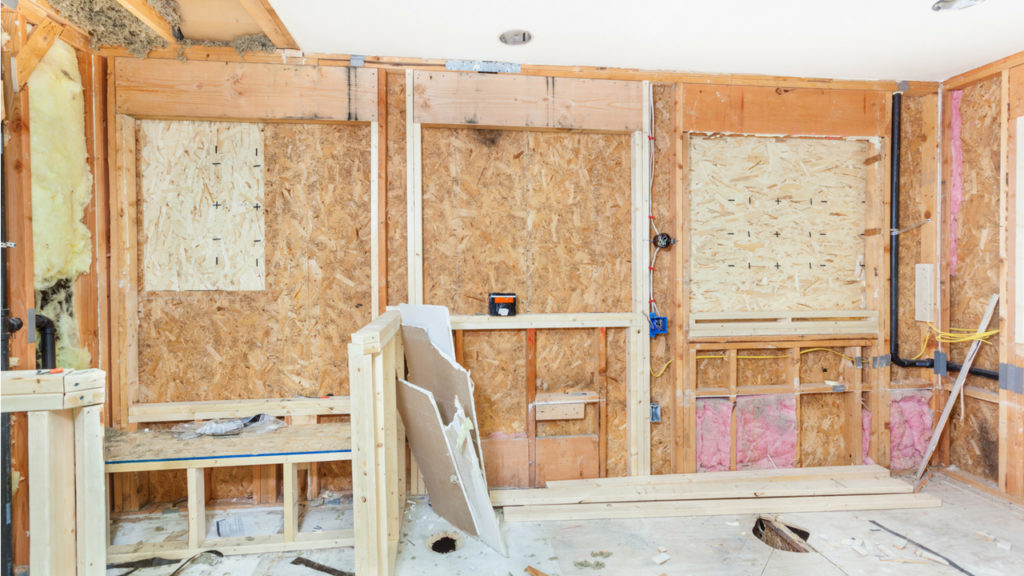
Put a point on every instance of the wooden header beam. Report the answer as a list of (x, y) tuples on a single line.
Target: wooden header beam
[(514, 101), (267, 19), (785, 111), (241, 91)]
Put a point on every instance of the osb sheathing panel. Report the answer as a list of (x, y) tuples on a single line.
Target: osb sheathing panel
[(662, 387), (818, 366), (618, 449), (543, 214), (822, 421), (767, 371), (777, 223), (203, 227), (974, 441), (977, 270), (918, 168), (496, 361), (290, 338), (397, 227), (567, 361), (712, 371)]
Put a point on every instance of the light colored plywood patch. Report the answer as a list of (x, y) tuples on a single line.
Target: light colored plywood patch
[(202, 190), (777, 223)]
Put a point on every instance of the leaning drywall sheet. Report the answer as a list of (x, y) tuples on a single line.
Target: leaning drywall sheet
[(451, 470), (777, 223), (201, 192), (450, 383)]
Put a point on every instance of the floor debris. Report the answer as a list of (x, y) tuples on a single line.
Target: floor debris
[(300, 561), (661, 558)]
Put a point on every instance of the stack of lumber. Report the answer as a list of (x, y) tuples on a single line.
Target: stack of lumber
[(775, 491)]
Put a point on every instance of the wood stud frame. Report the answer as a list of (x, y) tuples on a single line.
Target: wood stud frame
[(486, 101)]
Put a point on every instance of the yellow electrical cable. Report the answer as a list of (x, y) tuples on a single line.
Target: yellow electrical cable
[(662, 371), (924, 346)]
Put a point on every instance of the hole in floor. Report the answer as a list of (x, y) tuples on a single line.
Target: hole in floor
[(781, 536), (444, 542)]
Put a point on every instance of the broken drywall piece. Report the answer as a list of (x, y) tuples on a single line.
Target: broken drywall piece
[(436, 320), (449, 382), (451, 471)]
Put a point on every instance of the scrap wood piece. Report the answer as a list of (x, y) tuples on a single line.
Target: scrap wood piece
[(534, 572), (719, 507), (775, 474), (35, 49), (453, 476), (957, 387)]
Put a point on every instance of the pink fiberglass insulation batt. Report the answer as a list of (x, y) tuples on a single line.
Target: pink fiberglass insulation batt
[(713, 418), (910, 418), (766, 431), (865, 436)]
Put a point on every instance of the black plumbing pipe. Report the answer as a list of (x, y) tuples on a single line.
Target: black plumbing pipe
[(894, 258), (47, 331)]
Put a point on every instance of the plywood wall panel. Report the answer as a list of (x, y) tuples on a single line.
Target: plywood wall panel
[(567, 361), (397, 228), (618, 448), (976, 275), (665, 291), (203, 226), (290, 338), (818, 366), (974, 440), (822, 422), (777, 224), (496, 361), (541, 214), (784, 111)]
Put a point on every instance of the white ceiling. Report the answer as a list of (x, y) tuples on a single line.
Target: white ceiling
[(854, 39)]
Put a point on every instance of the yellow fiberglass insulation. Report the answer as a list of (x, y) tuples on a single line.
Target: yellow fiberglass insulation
[(61, 190)]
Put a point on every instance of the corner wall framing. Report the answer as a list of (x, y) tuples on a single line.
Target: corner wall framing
[(531, 102), (214, 91)]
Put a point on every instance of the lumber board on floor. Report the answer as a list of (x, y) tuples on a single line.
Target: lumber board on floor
[(702, 491), (718, 507), (777, 474)]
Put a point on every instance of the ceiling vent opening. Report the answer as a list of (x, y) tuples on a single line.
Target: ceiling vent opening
[(515, 37)]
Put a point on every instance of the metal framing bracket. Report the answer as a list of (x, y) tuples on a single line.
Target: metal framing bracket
[(1011, 377), (939, 367), (881, 361)]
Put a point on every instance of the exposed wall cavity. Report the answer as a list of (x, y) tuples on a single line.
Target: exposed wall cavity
[(910, 420), (713, 422), (766, 430), (61, 190)]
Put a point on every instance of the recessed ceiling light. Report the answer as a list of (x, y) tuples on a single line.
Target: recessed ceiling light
[(954, 4), (515, 37)]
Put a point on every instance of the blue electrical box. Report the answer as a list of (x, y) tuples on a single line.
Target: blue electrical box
[(659, 325)]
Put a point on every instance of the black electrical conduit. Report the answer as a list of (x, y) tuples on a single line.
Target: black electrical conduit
[(894, 260)]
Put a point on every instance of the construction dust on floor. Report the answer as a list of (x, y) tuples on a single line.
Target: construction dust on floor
[(897, 542)]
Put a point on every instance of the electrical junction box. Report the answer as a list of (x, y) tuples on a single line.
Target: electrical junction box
[(501, 304)]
